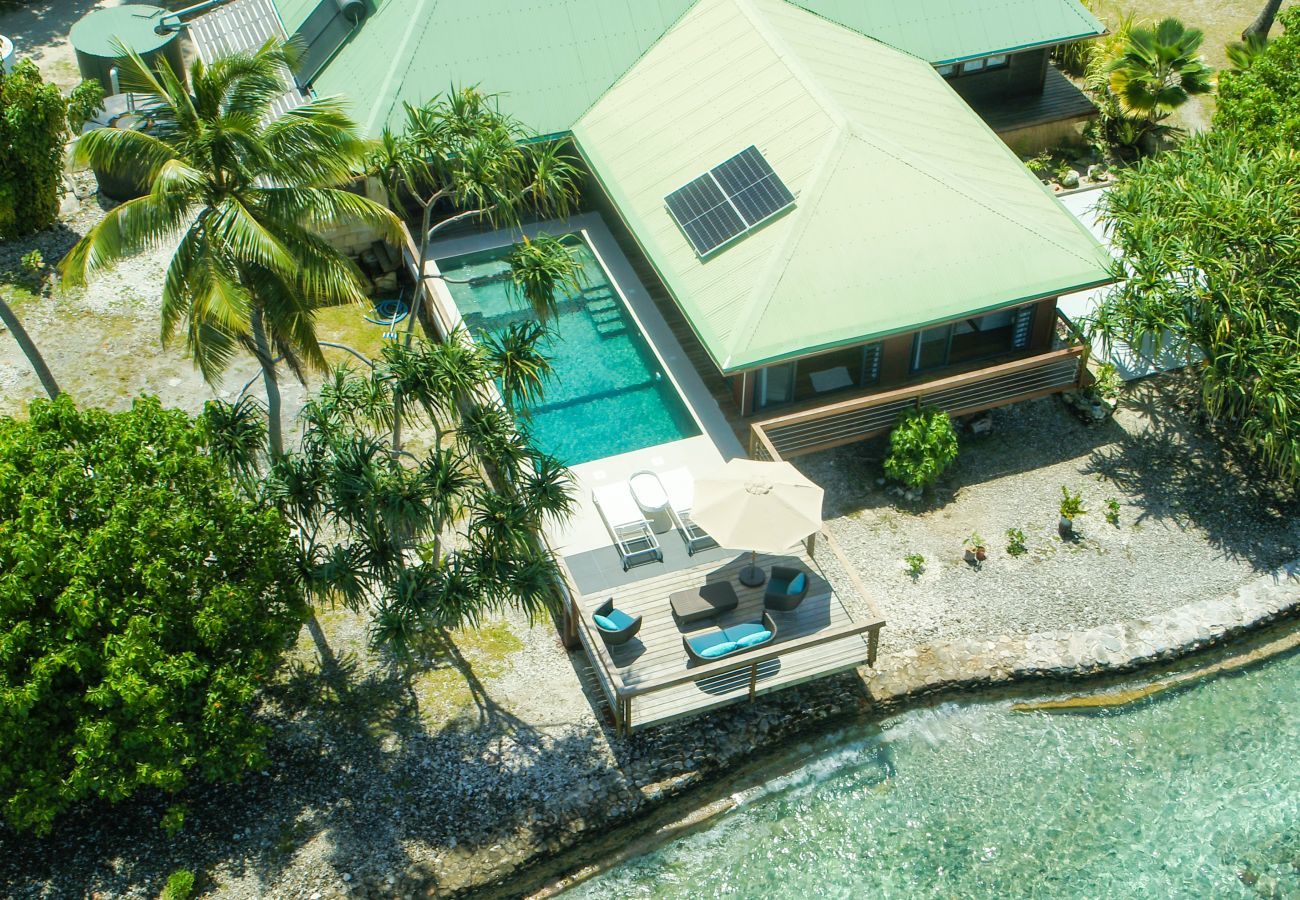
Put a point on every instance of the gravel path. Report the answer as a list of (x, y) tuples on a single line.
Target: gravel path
[(1189, 527)]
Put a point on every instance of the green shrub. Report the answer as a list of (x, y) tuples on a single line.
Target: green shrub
[(921, 447), (1016, 542), (180, 886), (1071, 504), (1112, 511), (142, 605), (33, 262), (915, 564), (33, 129), (84, 103)]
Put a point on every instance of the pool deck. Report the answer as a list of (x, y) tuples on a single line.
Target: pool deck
[(650, 680)]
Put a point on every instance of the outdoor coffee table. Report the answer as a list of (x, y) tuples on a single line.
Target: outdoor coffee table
[(703, 602)]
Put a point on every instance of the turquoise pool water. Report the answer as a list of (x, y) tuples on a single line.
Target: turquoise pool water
[(609, 394), (1196, 794)]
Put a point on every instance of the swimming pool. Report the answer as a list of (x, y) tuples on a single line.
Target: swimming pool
[(609, 393)]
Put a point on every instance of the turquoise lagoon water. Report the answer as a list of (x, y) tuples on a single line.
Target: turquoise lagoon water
[(609, 394), (1195, 794)]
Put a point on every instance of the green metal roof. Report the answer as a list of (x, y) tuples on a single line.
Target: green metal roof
[(944, 31), (551, 59), (909, 210)]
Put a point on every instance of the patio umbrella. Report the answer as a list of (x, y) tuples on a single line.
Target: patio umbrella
[(761, 506)]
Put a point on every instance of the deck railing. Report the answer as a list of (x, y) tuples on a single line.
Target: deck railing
[(835, 424)]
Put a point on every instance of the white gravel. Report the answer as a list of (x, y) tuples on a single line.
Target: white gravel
[(1190, 527)]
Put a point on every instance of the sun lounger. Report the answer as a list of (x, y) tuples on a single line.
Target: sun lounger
[(632, 535), (680, 488)]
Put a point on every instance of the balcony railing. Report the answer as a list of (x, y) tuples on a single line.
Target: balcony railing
[(847, 421)]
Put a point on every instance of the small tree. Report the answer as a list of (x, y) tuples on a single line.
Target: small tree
[(422, 543), (921, 447), (1261, 102), (142, 605), (460, 154), (33, 130), (1211, 268), (1159, 70)]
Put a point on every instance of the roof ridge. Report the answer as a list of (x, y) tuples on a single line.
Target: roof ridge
[(791, 57), (757, 304)]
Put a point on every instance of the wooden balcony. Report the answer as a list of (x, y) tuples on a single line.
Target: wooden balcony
[(836, 424), (650, 680)]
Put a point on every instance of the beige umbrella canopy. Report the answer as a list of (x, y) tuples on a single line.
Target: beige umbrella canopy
[(759, 506)]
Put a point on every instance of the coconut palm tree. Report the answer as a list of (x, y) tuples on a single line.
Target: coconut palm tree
[(1159, 70), (29, 348), (248, 198)]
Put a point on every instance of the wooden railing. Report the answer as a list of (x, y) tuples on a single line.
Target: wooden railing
[(835, 424)]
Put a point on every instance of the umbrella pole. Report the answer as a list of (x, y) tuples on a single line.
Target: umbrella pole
[(752, 575)]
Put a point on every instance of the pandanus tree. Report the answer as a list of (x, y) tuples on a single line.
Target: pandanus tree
[(1159, 70), (459, 159), (245, 198), (423, 543)]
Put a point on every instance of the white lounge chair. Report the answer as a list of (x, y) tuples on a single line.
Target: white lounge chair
[(680, 488), (632, 535)]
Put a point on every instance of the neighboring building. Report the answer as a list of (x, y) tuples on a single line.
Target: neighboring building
[(551, 60), (810, 182)]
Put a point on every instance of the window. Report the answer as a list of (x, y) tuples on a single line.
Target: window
[(970, 340), (971, 66), (947, 71), (816, 376), (996, 62), (974, 66)]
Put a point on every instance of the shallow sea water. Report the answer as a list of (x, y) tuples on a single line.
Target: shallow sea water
[(1192, 794)]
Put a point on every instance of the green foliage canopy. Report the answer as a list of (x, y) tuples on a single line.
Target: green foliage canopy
[(921, 447), (33, 129), (1210, 238), (141, 604), (1262, 102)]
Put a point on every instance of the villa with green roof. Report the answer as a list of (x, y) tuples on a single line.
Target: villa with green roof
[(821, 193)]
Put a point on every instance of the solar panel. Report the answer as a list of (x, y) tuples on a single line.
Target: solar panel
[(729, 200)]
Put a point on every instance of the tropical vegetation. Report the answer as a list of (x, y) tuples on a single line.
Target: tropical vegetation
[(459, 160), (1261, 102), (143, 602), (1139, 75), (921, 447), (424, 543), (245, 198), (33, 130)]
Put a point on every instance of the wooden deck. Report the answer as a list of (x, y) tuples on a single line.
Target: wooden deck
[(650, 680), (1060, 101)]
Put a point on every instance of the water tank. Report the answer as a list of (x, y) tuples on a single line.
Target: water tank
[(6, 54), (132, 25)]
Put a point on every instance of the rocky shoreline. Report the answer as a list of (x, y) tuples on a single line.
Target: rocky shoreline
[(900, 679)]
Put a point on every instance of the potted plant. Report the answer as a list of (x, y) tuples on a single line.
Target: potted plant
[(1071, 509), (975, 549)]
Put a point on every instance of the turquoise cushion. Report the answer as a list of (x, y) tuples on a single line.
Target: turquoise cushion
[(701, 642), (754, 639), (718, 650), (620, 619), (738, 633), (797, 583), (604, 623)]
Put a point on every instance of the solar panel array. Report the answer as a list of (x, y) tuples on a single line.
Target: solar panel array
[(728, 200)]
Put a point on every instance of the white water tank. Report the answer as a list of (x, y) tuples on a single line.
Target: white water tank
[(6, 53)]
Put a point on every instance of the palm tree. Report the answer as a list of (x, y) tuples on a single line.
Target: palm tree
[(1263, 22), (28, 346), (1159, 70), (248, 198), (462, 154), (1245, 53)]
